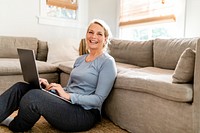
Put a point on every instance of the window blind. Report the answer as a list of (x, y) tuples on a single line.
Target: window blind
[(69, 4), (144, 11)]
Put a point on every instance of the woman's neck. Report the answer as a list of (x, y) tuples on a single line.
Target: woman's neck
[(93, 55)]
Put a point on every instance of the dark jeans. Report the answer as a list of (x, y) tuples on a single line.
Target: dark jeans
[(32, 103)]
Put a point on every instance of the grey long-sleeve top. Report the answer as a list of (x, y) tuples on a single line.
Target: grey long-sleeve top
[(91, 82)]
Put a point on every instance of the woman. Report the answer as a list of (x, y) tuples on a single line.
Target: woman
[(90, 82)]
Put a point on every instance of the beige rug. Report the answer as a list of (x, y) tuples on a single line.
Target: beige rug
[(42, 126)]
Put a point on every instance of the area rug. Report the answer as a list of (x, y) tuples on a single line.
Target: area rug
[(42, 126)]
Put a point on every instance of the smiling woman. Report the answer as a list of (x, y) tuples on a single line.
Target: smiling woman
[(98, 32), (97, 39)]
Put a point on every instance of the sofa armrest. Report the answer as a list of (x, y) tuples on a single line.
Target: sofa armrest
[(42, 51), (196, 98)]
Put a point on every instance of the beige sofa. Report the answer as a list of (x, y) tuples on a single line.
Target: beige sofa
[(157, 89), (10, 70), (145, 98)]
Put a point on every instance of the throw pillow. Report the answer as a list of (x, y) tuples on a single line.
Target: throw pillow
[(63, 51), (184, 70)]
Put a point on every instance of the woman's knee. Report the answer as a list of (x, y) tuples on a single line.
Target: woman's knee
[(31, 96), (18, 89), (20, 86)]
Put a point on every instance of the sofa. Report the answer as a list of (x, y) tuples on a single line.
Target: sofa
[(156, 89)]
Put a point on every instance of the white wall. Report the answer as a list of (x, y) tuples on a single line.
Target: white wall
[(192, 26), (20, 18), (106, 10)]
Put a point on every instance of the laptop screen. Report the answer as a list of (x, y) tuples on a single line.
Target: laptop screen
[(28, 67)]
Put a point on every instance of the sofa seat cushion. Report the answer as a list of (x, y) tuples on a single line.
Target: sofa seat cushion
[(124, 67), (45, 67), (121, 67), (155, 81), (66, 66), (9, 66)]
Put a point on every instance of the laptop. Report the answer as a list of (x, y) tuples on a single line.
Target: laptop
[(29, 70)]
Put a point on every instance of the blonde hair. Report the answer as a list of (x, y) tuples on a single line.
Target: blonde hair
[(107, 31)]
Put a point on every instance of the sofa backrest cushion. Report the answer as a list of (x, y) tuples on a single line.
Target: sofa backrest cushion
[(65, 50), (9, 45), (168, 51), (132, 52)]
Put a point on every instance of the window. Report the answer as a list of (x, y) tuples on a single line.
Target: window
[(147, 19), (59, 13)]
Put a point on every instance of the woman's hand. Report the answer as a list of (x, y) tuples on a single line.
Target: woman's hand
[(59, 89), (44, 83)]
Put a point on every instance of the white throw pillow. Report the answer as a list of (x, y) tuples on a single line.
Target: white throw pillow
[(63, 51)]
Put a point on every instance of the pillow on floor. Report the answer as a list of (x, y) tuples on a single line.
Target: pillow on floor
[(184, 70)]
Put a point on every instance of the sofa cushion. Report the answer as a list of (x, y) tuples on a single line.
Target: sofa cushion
[(184, 70), (123, 67), (9, 66), (155, 81), (45, 67), (9, 45), (12, 67), (66, 66), (132, 52), (168, 51), (63, 51)]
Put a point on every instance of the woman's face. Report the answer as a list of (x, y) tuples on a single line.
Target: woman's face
[(95, 37)]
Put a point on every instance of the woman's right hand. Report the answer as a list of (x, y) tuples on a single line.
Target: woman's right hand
[(44, 82)]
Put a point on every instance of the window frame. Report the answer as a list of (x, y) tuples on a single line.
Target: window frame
[(44, 19)]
